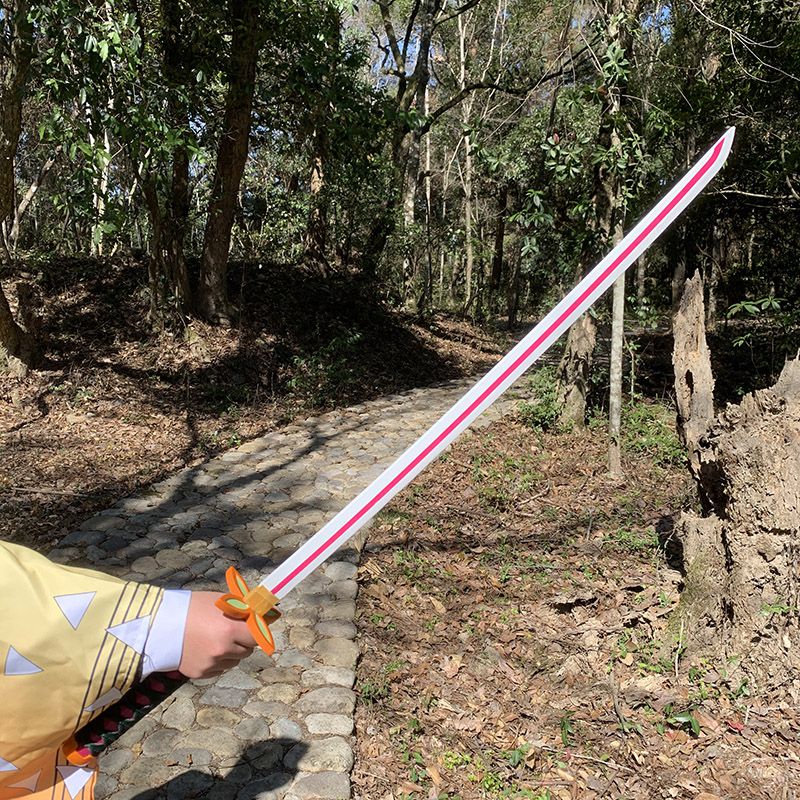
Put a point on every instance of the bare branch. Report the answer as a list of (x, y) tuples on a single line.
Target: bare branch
[(775, 198), (409, 28), (391, 35), (457, 13), (747, 43), (515, 91)]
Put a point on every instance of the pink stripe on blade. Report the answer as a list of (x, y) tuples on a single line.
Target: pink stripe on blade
[(553, 327)]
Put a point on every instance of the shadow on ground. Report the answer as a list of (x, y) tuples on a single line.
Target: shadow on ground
[(260, 770)]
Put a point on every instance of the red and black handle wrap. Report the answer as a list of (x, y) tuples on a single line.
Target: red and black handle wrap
[(105, 729)]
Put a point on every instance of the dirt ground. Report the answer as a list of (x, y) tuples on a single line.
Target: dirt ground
[(116, 408), (519, 638)]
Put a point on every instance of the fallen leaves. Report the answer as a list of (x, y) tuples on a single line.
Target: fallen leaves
[(515, 628)]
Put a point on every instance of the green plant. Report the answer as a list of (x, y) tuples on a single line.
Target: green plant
[(381, 621), (769, 609), (567, 729), (373, 691), (649, 428), (516, 756), (326, 374), (633, 540), (453, 759), (683, 720), (541, 413)]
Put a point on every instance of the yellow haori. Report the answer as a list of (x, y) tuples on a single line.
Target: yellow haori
[(72, 643), (255, 606)]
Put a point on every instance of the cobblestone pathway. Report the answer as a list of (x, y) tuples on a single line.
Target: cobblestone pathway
[(275, 728)]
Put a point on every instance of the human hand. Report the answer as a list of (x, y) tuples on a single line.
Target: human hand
[(212, 642)]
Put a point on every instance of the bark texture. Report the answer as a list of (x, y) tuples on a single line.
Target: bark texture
[(231, 158), (694, 381), (574, 372), (742, 558), (16, 48), (19, 350)]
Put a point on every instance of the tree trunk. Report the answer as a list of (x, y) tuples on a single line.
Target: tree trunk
[(17, 45), (156, 269), (574, 372), (316, 238), (469, 250), (608, 217), (499, 239), (27, 199), (514, 275), (231, 158), (719, 257), (168, 272), (174, 227), (680, 250), (18, 347), (426, 279), (19, 351), (741, 602), (615, 378), (694, 381), (641, 279), (678, 259)]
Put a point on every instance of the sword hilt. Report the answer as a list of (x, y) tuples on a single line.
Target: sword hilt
[(94, 737), (255, 606)]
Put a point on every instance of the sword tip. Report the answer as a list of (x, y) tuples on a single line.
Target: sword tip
[(728, 136)]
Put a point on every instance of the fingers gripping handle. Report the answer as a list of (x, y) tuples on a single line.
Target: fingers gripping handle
[(256, 607)]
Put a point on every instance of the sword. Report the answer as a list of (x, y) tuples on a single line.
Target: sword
[(257, 606)]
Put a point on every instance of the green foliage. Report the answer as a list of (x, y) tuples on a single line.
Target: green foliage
[(567, 729), (650, 428), (634, 540), (755, 308), (541, 413), (499, 479), (684, 720), (324, 376)]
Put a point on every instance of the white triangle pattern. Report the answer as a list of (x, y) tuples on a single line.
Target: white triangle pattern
[(132, 633), (74, 606), (75, 778), (17, 664), (105, 700), (6, 766), (29, 783)]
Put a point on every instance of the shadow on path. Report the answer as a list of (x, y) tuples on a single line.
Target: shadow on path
[(259, 772)]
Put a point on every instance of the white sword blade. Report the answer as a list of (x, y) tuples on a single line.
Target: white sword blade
[(477, 399)]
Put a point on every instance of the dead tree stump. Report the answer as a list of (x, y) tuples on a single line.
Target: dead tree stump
[(741, 601), (691, 359)]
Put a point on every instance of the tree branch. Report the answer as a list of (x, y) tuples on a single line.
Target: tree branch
[(516, 91), (409, 29), (457, 13), (391, 35), (775, 198)]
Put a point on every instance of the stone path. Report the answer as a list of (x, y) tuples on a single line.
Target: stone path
[(276, 728)]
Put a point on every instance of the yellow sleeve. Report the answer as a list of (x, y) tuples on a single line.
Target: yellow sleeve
[(71, 643)]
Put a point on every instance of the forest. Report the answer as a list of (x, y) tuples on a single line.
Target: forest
[(471, 158), (219, 220)]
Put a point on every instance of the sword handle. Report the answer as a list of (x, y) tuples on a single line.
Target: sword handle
[(98, 734)]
